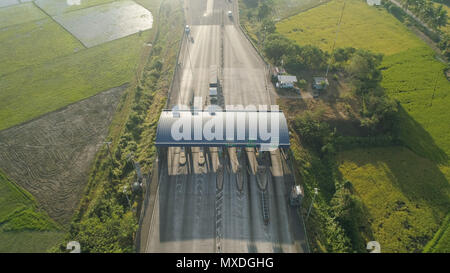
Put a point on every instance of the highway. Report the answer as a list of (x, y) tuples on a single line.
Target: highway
[(212, 200)]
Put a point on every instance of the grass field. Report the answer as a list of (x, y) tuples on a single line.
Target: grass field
[(284, 8), (33, 91), (362, 27), (23, 45), (19, 14), (45, 68), (20, 217), (404, 212), (29, 241)]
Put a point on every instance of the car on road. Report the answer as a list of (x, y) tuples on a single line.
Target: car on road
[(187, 29), (182, 156), (201, 156), (230, 13)]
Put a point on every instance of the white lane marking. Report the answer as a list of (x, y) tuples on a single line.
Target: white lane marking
[(209, 7)]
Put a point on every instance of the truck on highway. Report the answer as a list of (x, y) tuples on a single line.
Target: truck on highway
[(296, 196), (213, 83)]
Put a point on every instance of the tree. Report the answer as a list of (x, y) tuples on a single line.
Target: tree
[(441, 17), (277, 46), (268, 26), (362, 68), (263, 11)]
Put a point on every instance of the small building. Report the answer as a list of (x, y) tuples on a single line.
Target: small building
[(320, 83), (374, 2), (286, 81)]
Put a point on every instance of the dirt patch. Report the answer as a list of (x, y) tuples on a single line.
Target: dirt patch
[(51, 156), (336, 105)]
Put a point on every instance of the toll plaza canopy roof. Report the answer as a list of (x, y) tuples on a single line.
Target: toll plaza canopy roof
[(222, 128)]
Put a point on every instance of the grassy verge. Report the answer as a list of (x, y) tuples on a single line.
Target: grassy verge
[(104, 221), (19, 217)]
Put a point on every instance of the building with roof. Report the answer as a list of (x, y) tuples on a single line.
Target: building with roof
[(373, 2), (320, 83), (286, 81)]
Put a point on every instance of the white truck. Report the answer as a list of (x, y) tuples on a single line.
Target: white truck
[(213, 83)]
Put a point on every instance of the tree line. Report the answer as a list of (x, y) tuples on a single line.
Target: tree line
[(428, 12)]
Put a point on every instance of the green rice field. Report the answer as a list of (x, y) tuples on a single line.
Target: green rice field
[(43, 67)]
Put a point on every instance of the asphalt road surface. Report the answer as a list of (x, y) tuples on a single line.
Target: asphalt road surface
[(213, 200)]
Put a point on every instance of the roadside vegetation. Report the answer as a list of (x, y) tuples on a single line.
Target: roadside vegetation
[(379, 122), (105, 221), (430, 12)]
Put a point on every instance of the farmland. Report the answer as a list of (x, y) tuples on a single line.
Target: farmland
[(63, 72), (55, 7), (362, 27), (413, 76), (57, 100), (19, 14), (403, 211), (73, 77), (106, 22), (18, 52), (19, 217), (43, 161)]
